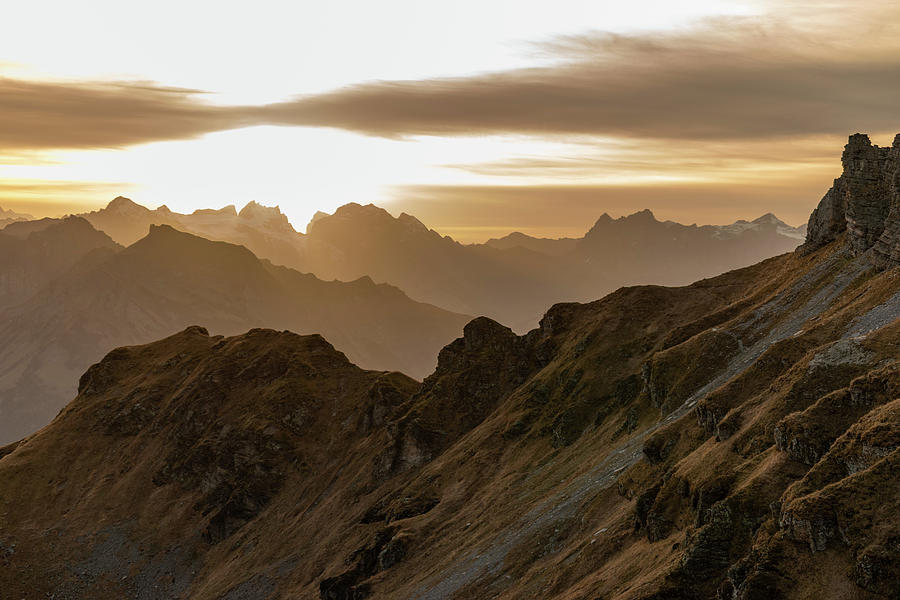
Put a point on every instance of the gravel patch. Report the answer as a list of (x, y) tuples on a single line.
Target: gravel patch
[(846, 351), (115, 559), (880, 316)]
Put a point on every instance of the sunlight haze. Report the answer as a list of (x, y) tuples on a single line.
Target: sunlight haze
[(323, 56)]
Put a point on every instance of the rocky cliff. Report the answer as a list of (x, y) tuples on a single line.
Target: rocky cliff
[(864, 202)]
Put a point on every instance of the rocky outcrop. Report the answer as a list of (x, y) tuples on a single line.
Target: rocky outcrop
[(807, 435), (864, 202), (474, 373), (386, 550), (878, 568)]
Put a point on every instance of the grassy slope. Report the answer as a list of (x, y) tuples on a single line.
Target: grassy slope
[(649, 444)]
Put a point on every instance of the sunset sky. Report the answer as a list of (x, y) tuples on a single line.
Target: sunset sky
[(479, 117)]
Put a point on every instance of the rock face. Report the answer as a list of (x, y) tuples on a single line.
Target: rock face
[(864, 201), (474, 373)]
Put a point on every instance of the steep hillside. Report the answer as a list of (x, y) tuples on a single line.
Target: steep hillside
[(735, 439), (213, 433), (170, 280)]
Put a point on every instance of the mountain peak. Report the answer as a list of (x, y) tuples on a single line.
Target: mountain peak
[(65, 227), (225, 211), (13, 215), (121, 204), (768, 219), (645, 216), (640, 217), (353, 209), (859, 141), (164, 244), (269, 217), (164, 230), (352, 216), (254, 209), (315, 218)]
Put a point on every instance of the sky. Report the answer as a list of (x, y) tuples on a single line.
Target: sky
[(478, 117)]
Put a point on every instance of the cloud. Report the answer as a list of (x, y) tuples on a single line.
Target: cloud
[(43, 198), (39, 115), (731, 79), (727, 79), (606, 160)]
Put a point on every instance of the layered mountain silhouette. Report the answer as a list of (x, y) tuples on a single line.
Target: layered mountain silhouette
[(516, 279), (513, 279), (736, 438), (64, 313), (263, 230), (517, 239), (36, 252), (10, 216)]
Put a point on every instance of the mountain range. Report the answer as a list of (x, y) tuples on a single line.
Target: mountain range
[(69, 294), (264, 231), (512, 280), (737, 438), (9, 216)]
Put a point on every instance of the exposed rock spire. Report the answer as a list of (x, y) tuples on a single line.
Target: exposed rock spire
[(864, 201)]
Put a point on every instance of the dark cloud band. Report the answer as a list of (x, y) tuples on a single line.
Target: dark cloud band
[(731, 80), (44, 114)]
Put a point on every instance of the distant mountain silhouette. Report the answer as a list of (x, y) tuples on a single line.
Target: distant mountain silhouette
[(639, 249), (512, 279), (35, 252), (516, 278), (169, 280), (9, 216), (513, 286), (517, 239), (264, 230)]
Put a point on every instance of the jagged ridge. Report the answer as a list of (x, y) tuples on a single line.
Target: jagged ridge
[(733, 439)]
